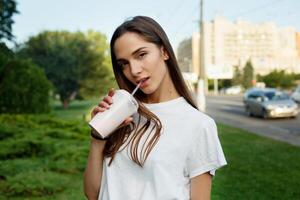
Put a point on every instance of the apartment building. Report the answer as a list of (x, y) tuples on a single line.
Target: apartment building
[(229, 44)]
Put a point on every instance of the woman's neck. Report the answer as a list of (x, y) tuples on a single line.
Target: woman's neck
[(165, 93)]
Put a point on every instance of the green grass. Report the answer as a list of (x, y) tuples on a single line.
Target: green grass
[(258, 168), (43, 157), (77, 109)]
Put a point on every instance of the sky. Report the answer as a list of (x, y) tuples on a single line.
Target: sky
[(179, 18)]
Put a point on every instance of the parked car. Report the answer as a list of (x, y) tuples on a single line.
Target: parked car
[(296, 94), (237, 89), (269, 103)]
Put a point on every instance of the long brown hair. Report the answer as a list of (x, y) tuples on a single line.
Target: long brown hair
[(152, 32)]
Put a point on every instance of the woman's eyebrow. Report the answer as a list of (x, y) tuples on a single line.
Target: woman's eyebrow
[(133, 53), (139, 49)]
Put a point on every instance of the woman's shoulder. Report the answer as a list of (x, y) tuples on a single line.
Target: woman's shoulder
[(196, 115)]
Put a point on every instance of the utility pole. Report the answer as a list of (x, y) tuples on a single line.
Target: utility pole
[(201, 78)]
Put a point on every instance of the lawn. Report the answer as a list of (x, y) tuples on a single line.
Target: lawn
[(78, 109), (43, 157), (258, 168)]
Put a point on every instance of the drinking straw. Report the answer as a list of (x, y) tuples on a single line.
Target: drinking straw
[(136, 88)]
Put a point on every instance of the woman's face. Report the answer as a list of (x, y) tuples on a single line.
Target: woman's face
[(141, 60)]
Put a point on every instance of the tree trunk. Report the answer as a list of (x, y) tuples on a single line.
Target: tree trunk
[(66, 103)]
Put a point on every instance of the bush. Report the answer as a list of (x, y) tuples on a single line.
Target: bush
[(41, 156), (16, 166), (25, 148), (24, 88), (34, 183)]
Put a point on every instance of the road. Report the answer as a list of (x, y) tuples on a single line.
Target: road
[(229, 110)]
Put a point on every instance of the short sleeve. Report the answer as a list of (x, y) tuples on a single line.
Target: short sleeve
[(206, 153)]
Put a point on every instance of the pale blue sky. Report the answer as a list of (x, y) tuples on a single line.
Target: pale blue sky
[(179, 18)]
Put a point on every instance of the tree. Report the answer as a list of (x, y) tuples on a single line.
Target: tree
[(237, 76), (24, 88), (99, 77), (5, 55), (224, 83), (7, 9), (278, 79), (184, 55), (248, 74), (73, 62)]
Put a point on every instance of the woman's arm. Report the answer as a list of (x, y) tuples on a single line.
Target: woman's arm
[(201, 187), (93, 170)]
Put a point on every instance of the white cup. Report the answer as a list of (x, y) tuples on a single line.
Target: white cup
[(124, 105)]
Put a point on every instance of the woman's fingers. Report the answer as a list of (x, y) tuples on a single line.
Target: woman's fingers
[(108, 99), (96, 110), (103, 104), (127, 121), (111, 92)]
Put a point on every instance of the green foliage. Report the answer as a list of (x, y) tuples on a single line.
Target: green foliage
[(297, 76), (42, 155), (224, 83), (33, 183), (237, 76), (5, 55), (24, 88), (75, 110), (73, 62), (99, 77), (278, 79), (248, 75), (7, 9)]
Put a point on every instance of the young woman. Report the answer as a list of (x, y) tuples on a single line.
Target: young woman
[(169, 149)]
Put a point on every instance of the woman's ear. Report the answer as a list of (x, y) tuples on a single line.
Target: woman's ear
[(164, 53)]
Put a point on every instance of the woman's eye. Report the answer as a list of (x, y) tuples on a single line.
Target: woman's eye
[(142, 55), (123, 65)]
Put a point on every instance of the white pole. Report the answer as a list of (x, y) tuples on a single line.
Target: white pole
[(201, 96), (216, 86), (201, 103)]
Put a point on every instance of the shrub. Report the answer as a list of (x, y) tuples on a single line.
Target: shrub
[(24, 148), (24, 88), (34, 183)]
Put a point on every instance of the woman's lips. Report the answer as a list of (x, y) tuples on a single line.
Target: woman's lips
[(144, 83)]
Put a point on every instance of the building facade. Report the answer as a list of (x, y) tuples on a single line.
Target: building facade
[(228, 44), (298, 43)]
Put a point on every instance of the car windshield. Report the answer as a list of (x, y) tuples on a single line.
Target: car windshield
[(275, 95)]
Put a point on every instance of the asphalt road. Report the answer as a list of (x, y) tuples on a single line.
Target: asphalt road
[(229, 110)]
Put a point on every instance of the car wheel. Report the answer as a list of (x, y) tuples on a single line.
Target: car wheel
[(265, 114), (248, 112)]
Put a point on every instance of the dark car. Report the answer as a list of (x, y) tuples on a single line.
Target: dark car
[(269, 103)]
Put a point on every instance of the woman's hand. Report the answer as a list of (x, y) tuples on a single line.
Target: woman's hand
[(105, 104)]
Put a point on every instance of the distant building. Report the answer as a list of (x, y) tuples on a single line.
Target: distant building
[(298, 43), (229, 44)]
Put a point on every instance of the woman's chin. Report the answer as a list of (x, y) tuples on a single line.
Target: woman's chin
[(147, 90)]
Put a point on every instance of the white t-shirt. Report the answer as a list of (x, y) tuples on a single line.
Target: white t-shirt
[(188, 146)]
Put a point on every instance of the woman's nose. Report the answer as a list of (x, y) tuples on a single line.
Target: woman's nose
[(136, 68)]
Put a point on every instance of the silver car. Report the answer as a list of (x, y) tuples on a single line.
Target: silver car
[(269, 103), (296, 95)]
